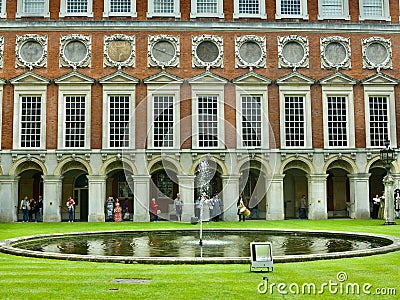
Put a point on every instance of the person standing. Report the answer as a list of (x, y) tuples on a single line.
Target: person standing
[(197, 208), (217, 208), (240, 205), (40, 209), (178, 203), (303, 207), (109, 209), (253, 205), (32, 209), (381, 211), (117, 213), (71, 209), (154, 210), (397, 202), (376, 202), (24, 206)]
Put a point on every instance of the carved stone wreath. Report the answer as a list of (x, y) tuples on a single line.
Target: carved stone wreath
[(174, 57), (1, 51), (75, 51), (250, 51), (376, 53), (119, 51), (335, 52), (293, 52), (216, 54), (31, 51)]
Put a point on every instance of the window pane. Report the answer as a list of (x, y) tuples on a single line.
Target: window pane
[(208, 121), (75, 121), (373, 8), (337, 122), (378, 120), (332, 7), (163, 6), (33, 6), (291, 7), (120, 6), (251, 121), (207, 6), (163, 135), (77, 6), (251, 7), (30, 121), (119, 121), (294, 122)]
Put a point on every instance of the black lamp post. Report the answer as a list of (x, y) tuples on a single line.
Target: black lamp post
[(388, 156)]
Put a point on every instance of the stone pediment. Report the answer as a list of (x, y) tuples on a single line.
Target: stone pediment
[(74, 77), (208, 78), (163, 77), (379, 79), (118, 77), (337, 78), (251, 78), (295, 78), (29, 78)]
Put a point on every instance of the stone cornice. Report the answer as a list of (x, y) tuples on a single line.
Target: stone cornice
[(184, 26)]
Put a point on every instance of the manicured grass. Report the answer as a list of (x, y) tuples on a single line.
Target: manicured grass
[(31, 278)]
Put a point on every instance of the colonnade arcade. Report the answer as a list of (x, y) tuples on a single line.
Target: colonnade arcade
[(335, 185)]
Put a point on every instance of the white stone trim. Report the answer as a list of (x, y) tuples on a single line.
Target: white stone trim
[(63, 10), (20, 62), (369, 63), (339, 91), (84, 39), (107, 10), (218, 41), (385, 13), (1, 51), (3, 11), (261, 15), (240, 62), (118, 90), (35, 90), (154, 90), (283, 62), (152, 61), (344, 16), (20, 10), (199, 90), (345, 43), (219, 14), (303, 11), (65, 90), (381, 91), (296, 91), (151, 13), (253, 90)]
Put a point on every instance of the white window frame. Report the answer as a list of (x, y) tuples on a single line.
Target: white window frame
[(118, 90), (381, 91), (20, 91), (151, 13), (64, 13), (344, 16), (303, 11), (339, 91), (81, 90), (154, 90), (107, 10), (261, 15), (296, 91), (3, 11), (255, 91), (385, 13), (20, 10), (219, 14), (204, 90)]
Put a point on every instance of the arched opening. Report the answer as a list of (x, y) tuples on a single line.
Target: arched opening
[(252, 185), (295, 185), (376, 186), (338, 193), (164, 187)]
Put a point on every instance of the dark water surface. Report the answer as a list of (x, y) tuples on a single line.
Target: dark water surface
[(186, 243)]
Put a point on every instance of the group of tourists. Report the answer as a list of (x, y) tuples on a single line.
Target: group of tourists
[(208, 208), (115, 212), (378, 205), (32, 209)]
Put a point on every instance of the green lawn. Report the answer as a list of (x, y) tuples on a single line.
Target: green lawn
[(31, 278)]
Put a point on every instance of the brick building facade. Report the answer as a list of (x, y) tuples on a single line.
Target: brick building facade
[(130, 99)]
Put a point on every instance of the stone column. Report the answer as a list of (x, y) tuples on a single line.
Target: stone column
[(317, 197), (9, 202), (230, 195), (275, 203), (97, 197), (141, 202), (389, 216), (359, 195), (186, 189), (52, 198)]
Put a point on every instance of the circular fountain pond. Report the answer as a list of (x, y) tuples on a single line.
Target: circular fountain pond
[(182, 246)]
